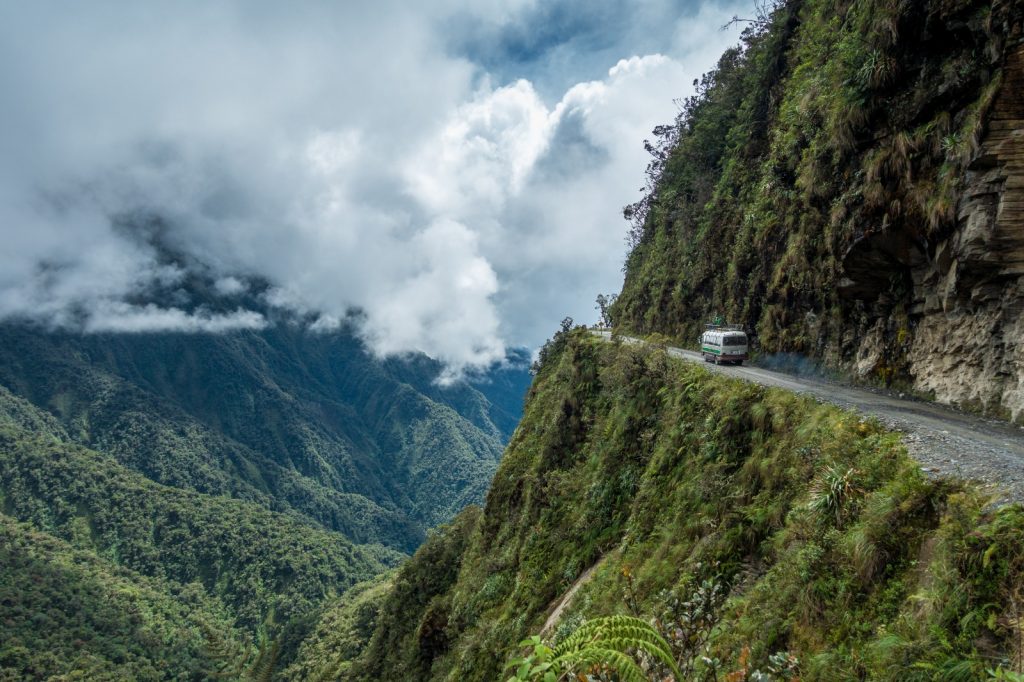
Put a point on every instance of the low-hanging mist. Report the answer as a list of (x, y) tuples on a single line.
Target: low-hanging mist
[(348, 160)]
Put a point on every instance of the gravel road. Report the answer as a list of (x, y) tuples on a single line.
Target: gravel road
[(945, 441)]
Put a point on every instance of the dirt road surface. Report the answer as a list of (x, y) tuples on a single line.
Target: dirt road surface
[(944, 441)]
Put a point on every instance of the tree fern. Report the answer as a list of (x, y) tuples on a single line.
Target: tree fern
[(227, 656)]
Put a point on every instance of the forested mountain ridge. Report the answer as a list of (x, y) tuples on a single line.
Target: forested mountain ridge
[(284, 417), (92, 531), (69, 612), (237, 549), (846, 185), (260, 474)]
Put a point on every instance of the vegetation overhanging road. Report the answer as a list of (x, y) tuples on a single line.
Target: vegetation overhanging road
[(945, 441)]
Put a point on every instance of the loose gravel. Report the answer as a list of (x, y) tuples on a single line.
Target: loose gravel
[(946, 442)]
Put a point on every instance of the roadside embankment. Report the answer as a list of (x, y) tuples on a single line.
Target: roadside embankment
[(945, 441)]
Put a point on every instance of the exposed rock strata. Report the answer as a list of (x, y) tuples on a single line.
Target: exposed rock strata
[(968, 343)]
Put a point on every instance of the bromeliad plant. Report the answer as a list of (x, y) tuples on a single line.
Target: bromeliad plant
[(832, 489), (609, 644)]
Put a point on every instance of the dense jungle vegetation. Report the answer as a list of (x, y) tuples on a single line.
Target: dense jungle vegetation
[(175, 506), (832, 121), (69, 612), (767, 532), (285, 418), (101, 527)]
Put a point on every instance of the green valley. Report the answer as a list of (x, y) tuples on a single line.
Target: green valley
[(261, 416), (244, 480)]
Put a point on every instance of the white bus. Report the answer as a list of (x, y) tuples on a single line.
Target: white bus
[(724, 343)]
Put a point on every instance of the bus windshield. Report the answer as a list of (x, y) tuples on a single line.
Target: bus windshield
[(734, 340)]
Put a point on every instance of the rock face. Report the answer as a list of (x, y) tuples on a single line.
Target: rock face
[(968, 343), (851, 190)]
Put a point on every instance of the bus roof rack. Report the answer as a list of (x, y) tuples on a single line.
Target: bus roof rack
[(711, 326)]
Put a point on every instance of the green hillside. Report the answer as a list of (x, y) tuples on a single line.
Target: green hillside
[(263, 572), (758, 522), (69, 615), (259, 475), (284, 418), (258, 562), (842, 185)]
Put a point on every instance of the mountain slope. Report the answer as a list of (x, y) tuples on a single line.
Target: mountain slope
[(706, 502), (260, 564), (286, 418), (846, 185), (260, 475), (65, 612)]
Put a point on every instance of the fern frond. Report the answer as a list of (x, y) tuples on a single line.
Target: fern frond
[(624, 666), (646, 637), (619, 634), (598, 628), (662, 655), (263, 668)]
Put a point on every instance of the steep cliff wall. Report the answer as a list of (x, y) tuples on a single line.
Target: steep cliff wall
[(968, 347), (765, 521), (848, 184)]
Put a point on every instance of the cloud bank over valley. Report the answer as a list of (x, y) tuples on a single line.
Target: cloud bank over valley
[(455, 173)]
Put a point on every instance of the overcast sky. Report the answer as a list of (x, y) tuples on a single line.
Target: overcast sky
[(455, 170)]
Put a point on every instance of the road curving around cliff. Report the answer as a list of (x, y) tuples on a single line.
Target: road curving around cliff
[(944, 441)]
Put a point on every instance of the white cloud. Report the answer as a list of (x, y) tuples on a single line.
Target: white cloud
[(543, 187), (346, 156), (334, 152), (117, 316), (484, 152), (441, 302), (229, 286)]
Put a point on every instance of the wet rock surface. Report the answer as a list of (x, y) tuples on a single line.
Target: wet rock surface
[(968, 344), (946, 310)]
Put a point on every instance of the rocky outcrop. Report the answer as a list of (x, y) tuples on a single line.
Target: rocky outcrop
[(968, 343), (850, 188)]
